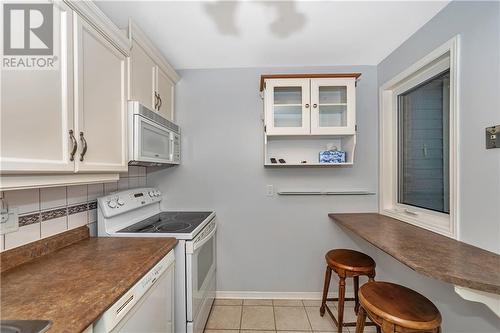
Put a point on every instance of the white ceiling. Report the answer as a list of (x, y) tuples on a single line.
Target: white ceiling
[(228, 34)]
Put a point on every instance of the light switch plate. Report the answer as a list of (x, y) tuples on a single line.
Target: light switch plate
[(269, 190), (493, 137)]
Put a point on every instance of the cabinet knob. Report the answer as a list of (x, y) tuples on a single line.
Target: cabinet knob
[(307, 106), (315, 106)]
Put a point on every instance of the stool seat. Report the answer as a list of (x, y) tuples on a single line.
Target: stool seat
[(350, 260), (398, 305)]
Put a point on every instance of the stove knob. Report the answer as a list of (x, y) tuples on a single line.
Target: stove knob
[(112, 204), (151, 194), (159, 193), (120, 202)]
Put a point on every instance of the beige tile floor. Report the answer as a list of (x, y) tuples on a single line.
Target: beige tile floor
[(271, 316)]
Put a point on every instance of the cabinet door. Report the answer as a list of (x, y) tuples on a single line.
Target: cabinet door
[(37, 109), (142, 77), (333, 102), (287, 107), (165, 90), (101, 100)]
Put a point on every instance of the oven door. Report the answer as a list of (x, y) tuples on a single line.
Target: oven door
[(200, 273), (152, 142)]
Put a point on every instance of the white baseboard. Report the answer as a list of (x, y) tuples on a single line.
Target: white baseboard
[(313, 295)]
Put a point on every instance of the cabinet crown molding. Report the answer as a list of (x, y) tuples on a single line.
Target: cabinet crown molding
[(136, 34), (94, 16), (265, 77)]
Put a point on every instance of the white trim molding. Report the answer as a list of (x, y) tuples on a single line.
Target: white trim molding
[(447, 225), (95, 17), (313, 295), (136, 34)]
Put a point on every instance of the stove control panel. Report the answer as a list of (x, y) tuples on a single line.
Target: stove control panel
[(120, 202)]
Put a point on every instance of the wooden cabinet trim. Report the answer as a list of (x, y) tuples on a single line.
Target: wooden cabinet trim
[(264, 77)]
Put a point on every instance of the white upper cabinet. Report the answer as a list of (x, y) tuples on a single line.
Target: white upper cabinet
[(101, 101), (68, 124), (165, 94), (142, 77), (152, 79), (333, 105), (310, 106), (287, 104), (37, 109)]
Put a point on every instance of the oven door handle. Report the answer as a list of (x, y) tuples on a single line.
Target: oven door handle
[(204, 240)]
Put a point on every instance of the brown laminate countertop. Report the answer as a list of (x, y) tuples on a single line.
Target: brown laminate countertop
[(74, 285), (427, 252)]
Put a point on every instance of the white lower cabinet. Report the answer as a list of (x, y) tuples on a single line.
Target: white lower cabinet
[(68, 124)]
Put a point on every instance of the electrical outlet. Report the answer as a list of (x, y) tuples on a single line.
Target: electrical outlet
[(269, 190), (9, 219)]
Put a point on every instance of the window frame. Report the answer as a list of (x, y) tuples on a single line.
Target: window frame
[(439, 60)]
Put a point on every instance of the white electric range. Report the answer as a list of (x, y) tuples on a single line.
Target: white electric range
[(137, 213)]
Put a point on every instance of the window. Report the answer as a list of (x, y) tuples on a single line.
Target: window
[(418, 171), (423, 145)]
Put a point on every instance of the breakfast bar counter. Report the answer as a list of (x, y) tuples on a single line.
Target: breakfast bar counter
[(427, 252)]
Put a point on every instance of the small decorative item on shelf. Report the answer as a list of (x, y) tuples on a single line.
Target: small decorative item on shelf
[(332, 155), (273, 160)]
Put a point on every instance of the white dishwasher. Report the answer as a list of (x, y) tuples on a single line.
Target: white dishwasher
[(147, 307)]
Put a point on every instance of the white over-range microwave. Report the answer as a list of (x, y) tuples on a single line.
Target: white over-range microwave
[(153, 140)]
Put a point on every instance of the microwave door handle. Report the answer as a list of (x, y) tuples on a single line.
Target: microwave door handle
[(204, 240), (172, 138)]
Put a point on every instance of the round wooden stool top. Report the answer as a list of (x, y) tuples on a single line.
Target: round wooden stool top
[(399, 305), (350, 260)]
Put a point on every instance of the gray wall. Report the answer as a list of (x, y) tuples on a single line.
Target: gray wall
[(265, 243), (278, 243), (478, 24)]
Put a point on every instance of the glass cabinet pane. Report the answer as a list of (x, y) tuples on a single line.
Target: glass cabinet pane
[(287, 116), (332, 115), (287, 107), (333, 95), (288, 95)]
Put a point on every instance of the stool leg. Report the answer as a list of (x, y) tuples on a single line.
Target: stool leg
[(356, 299), (360, 324), (371, 277), (328, 276), (341, 303)]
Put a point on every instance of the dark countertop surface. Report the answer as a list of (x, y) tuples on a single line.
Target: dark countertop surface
[(427, 252), (75, 284)]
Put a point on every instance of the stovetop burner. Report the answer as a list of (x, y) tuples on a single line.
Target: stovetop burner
[(169, 222)]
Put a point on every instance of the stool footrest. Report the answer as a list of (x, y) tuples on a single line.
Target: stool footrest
[(351, 324), (336, 299)]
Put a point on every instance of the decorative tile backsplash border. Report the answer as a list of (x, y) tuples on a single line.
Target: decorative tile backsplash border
[(47, 211)]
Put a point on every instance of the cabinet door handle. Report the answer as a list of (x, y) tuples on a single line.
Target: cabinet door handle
[(75, 146), (156, 101), (84, 149), (160, 103), (307, 106)]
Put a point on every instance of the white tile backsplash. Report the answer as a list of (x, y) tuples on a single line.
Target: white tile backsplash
[(77, 220), (77, 194), (54, 226), (95, 191), (26, 200), (46, 199), (110, 187), (133, 182), (52, 197), (23, 235)]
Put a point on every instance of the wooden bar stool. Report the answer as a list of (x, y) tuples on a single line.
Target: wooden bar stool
[(346, 263), (397, 309)]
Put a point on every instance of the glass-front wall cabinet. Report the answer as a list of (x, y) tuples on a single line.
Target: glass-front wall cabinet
[(324, 106), (332, 106), (287, 104)]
